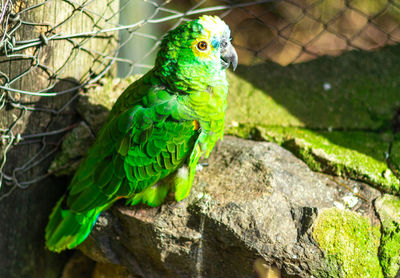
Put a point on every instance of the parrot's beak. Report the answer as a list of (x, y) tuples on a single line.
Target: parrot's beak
[(229, 56)]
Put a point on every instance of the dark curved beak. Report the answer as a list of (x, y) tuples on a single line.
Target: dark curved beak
[(229, 56)]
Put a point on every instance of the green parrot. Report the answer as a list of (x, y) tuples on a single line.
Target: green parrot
[(155, 134)]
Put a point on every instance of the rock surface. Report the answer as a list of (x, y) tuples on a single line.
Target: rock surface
[(255, 200)]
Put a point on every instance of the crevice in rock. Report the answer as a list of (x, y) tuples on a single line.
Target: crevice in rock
[(381, 231), (396, 130), (303, 218), (396, 121), (391, 165), (255, 134)]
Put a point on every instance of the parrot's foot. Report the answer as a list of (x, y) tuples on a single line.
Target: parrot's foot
[(179, 183), (182, 183), (152, 196)]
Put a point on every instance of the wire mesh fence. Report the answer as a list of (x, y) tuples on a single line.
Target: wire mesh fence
[(50, 50)]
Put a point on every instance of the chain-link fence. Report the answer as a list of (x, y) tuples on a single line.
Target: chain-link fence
[(49, 50)]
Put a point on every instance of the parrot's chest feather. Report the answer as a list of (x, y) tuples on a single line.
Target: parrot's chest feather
[(208, 108), (209, 104)]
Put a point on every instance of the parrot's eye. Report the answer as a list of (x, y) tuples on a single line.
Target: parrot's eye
[(202, 46)]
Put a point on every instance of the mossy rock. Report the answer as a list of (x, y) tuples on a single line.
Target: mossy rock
[(349, 242), (358, 155)]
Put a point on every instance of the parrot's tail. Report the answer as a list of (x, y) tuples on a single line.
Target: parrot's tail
[(67, 229)]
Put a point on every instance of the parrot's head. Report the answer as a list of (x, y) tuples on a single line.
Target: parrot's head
[(196, 54)]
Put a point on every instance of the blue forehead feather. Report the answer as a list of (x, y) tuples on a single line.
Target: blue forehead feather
[(215, 42)]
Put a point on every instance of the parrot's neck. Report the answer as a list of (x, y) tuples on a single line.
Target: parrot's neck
[(184, 77), (202, 92)]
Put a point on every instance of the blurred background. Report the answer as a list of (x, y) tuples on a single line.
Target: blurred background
[(284, 32)]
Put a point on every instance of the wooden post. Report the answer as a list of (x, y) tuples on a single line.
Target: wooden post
[(56, 64)]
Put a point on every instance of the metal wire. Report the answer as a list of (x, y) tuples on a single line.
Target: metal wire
[(284, 31)]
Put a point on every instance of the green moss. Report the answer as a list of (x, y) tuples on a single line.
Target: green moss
[(395, 155), (240, 130), (349, 242), (389, 252), (388, 209)]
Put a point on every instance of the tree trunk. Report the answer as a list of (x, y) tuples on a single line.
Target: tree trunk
[(53, 65)]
